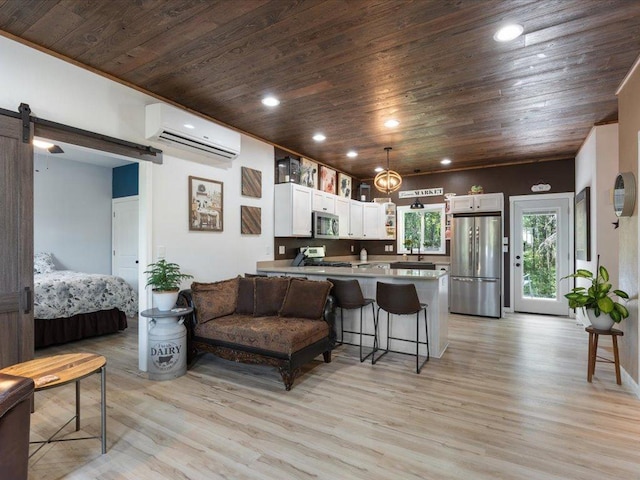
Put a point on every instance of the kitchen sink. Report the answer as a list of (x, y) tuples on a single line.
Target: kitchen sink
[(414, 265)]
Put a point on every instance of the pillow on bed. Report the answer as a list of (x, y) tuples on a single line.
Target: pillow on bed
[(43, 263)]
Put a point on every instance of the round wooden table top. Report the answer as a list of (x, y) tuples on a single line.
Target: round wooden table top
[(67, 368)]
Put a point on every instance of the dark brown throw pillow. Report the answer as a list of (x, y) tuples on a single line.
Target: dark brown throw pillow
[(216, 299), (270, 293), (305, 299), (246, 294)]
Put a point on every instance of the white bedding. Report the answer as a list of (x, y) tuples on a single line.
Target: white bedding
[(64, 293)]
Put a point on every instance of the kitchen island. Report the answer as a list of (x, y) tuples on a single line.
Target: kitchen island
[(432, 287)]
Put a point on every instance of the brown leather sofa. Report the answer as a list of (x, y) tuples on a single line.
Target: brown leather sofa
[(279, 321), (15, 418)]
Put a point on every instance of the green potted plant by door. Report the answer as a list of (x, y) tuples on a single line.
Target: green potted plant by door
[(164, 278), (597, 300)]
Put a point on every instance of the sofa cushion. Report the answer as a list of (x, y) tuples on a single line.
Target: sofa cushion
[(270, 293), (246, 293), (216, 299), (270, 333), (305, 298)]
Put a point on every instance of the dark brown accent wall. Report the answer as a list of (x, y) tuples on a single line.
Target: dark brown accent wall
[(510, 180)]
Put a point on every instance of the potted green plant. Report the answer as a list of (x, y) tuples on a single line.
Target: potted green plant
[(597, 300), (164, 278)]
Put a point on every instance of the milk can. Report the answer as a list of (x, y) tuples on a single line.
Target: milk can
[(167, 348)]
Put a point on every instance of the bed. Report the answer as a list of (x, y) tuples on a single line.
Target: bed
[(71, 305)]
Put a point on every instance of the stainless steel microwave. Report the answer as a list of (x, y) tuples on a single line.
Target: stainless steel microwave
[(325, 225)]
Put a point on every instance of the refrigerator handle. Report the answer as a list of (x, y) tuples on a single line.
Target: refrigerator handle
[(477, 250), (471, 260)]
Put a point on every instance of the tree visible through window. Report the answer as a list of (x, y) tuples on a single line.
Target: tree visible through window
[(539, 248), (421, 229)]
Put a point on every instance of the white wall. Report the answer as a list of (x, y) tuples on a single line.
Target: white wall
[(72, 213), (61, 92), (597, 167)]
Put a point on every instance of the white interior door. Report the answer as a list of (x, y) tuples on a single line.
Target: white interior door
[(125, 260), (542, 232)]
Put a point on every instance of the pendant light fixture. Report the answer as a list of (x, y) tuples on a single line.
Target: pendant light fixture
[(387, 181), (417, 205)]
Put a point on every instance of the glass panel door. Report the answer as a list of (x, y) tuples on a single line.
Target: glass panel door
[(540, 256)]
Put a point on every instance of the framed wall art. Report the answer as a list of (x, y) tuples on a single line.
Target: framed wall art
[(583, 233), (251, 182), (308, 173), (344, 185), (250, 220), (328, 179), (205, 205)]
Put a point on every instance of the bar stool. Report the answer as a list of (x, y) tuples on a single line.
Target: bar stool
[(348, 295), (594, 333), (400, 299)]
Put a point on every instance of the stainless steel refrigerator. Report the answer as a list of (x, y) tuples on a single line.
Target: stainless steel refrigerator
[(476, 265)]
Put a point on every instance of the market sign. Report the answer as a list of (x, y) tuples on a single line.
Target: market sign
[(423, 192)]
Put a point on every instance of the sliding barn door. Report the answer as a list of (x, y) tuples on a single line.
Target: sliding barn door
[(16, 243)]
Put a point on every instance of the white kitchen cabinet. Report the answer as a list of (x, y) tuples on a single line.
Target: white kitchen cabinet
[(342, 211), (323, 202), (356, 209), (372, 221), (292, 210), (489, 202)]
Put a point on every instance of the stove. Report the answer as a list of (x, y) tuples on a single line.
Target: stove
[(314, 257), (325, 263)]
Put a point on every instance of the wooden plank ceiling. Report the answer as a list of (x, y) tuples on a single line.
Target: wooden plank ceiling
[(343, 67)]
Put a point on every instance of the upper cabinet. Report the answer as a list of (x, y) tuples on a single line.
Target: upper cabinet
[(489, 202), (343, 206), (292, 210), (355, 219), (323, 202), (372, 221)]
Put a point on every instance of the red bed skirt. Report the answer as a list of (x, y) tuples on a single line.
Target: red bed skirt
[(62, 330)]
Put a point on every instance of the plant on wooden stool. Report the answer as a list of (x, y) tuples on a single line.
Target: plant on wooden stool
[(598, 297), (165, 278)]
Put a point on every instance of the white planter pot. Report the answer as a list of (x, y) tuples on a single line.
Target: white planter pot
[(165, 300), (603, 322)]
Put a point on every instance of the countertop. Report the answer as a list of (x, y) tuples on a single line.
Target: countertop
[(373, 271)]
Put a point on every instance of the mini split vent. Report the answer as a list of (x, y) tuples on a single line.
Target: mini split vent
[(186, 131)]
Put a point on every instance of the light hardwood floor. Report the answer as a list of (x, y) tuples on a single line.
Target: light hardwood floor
[(509, 400)]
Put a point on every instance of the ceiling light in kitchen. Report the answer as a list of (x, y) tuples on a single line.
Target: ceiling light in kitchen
[(319, 137), (445, 161), (270, 101), (352, 154), (508, 33), (378, 169), (391, 123), (387, 181)]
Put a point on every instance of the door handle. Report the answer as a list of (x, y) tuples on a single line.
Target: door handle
[(26, 306)]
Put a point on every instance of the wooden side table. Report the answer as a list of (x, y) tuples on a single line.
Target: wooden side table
[(594, 333), (58, 370)]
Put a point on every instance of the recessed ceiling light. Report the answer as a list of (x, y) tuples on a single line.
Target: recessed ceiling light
[(270, 101), (42, 144), (318, 137), (378, 169), (508, 32), (352, 154), (392, 123), (189, 126), (445, 161)]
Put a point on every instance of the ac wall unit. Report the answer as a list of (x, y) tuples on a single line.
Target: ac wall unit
[(181, 129)]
